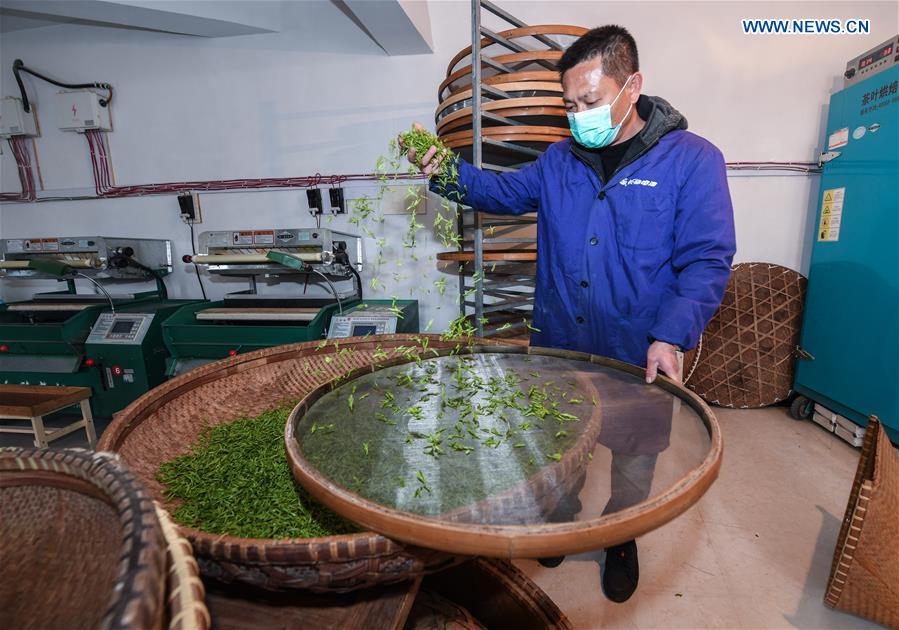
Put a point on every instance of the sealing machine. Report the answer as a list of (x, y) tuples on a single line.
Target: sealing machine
[(105, 339), (299, 278)]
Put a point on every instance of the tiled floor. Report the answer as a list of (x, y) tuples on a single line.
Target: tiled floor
[(755, 552)]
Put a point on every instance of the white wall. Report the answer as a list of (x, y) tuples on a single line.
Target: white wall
[(321, 97)]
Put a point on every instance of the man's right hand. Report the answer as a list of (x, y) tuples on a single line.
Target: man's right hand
[(430, 162), (662, 356)]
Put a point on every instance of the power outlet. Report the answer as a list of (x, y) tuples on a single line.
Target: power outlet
[(314, 199), (338, 203), (189, 207)]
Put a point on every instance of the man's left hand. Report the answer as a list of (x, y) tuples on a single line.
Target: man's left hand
[(662, 356)]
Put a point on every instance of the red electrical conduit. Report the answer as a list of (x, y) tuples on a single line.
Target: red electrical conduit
[(101, 166), (101, 163), (26, 175)]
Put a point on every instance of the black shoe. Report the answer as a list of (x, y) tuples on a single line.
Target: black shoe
[(621, 573), (551, 563)]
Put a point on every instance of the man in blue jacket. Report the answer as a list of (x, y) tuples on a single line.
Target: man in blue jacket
[(635, 231)]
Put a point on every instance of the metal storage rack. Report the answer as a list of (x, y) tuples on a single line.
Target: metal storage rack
[(499, 292)]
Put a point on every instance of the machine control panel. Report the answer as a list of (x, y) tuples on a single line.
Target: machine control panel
[(120, 328), (878, 59), (358, 323)]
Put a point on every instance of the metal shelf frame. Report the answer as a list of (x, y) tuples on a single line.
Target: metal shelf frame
[(502, 293)]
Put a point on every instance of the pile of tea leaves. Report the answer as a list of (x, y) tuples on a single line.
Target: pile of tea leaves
[(236, 481)]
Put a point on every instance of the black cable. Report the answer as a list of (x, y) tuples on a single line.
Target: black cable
[(19, 66), (161, 289), (193, 248), (330, 286), (358, 279)]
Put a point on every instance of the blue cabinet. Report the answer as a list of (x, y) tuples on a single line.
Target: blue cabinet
[(851, 321)]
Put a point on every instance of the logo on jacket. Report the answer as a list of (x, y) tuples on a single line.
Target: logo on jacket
[(638, 182)]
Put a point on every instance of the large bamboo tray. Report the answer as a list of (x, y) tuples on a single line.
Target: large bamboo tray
[(473, 595), (496, 538), (747, 355), (501, 80), (521, 61), (534, 110), (529, 135), (164, 423), (515, 89), (513, 34)]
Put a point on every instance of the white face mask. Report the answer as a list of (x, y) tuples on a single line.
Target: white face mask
[(593, 128)]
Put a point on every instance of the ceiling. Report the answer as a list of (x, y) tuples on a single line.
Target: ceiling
[(399, 27)]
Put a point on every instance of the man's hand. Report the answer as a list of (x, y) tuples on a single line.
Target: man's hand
[(430, 161), (662, 356)]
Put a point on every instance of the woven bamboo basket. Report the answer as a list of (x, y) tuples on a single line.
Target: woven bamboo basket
[(165, 422), (185, 595), (747, 354), (434, 612), (865, 569), (496, 594), (480, 593), (80, 543)]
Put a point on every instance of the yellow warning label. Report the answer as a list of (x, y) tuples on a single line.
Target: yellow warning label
[(831, 214)]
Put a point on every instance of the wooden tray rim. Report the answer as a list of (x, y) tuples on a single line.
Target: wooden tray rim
[(528, 541)]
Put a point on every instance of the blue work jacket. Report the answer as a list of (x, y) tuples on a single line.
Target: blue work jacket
[(645, 255)]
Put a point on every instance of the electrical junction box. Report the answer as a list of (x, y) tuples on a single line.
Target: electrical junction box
[(80, 110), (14, 120)]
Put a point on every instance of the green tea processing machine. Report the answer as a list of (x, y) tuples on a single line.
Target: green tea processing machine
[(106, 340), (299, 279)]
